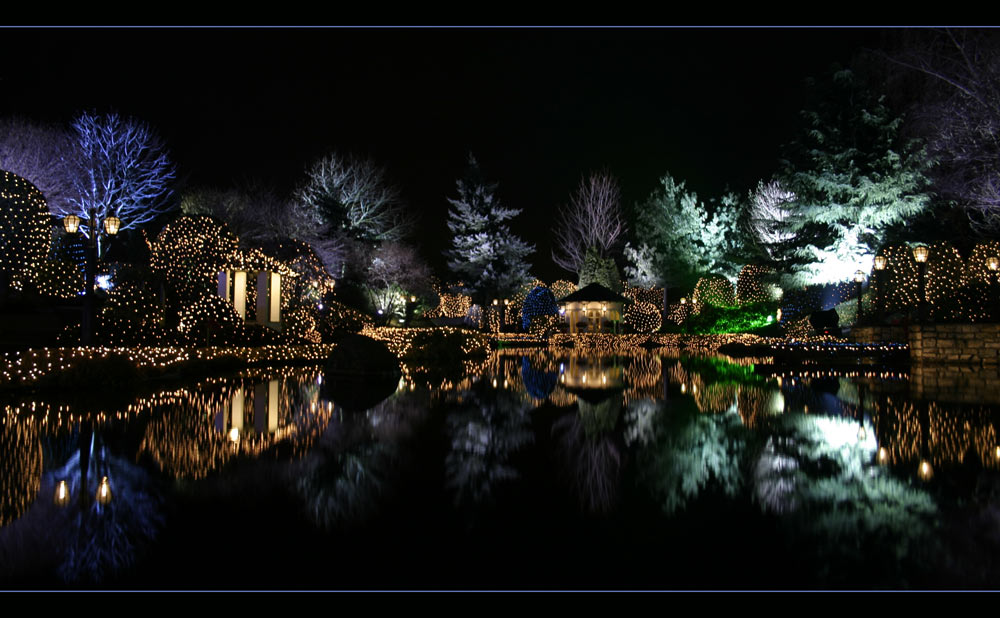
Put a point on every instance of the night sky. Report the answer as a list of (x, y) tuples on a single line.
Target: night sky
[(539, 107)]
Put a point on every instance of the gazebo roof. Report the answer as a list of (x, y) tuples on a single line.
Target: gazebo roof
[(595, 292)]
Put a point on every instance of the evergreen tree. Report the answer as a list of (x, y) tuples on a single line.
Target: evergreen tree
[(484, 253), (596, 269), (854, 176), (681, 238)]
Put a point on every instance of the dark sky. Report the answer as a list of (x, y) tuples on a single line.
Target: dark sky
[(538, 107)]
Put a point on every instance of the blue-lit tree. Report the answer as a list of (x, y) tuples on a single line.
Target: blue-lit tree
[(540, 301), (121, 168), (484, 252)]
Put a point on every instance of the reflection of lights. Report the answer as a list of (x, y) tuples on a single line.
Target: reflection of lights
[(505, 382), (494, 382), (862, 434), (234, 434), (604, 379), (584, 378), (883, 455), (104, 282), (562, 378), (694, 389), (683, 388), (104, 491), (996, 452), (62, 494), (925, 472)]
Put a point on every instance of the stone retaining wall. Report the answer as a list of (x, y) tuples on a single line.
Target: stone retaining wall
[(955, 343), (879, 334)]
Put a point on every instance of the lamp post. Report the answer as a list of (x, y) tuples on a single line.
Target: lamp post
[(993, 263), (880, 264), (859, 278), (920, 254), (110, 226)]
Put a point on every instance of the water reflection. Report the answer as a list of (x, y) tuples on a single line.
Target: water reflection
[(856, 464)]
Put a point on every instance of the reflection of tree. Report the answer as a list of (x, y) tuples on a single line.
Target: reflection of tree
[(347, 474), (639, 421), (86, 541), (20, 467), (591, 453), (538, 383), (692, 451), (819, 471), (485, 432)]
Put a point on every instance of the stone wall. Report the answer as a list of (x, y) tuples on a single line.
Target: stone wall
[(879, 334), (955, 343)]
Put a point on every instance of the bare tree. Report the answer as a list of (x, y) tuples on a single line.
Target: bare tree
[(351, 195), (40, 154), (121, 169), (252, 211), (593, 219), (960, 117), (396, 271)]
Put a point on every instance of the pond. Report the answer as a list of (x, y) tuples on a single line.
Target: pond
[(538, 469)]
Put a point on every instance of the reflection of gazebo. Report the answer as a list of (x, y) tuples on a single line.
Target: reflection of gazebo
[(592, 306)]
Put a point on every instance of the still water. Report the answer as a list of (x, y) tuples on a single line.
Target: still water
[(537, 469)]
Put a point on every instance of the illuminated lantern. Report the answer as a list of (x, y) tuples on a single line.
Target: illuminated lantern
[(920, 253), (993, 262), (61, 497), (880, 262), (71, 223), (104, 491), (112, 224), (859, 276)]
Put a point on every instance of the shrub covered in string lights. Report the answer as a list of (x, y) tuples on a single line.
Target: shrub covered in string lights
[(133, 315), (946, 297), (643, 317), (190, 252), (651, 295), (678, 313), (713, 290), (899, 284), (562, 288), (539, 301), (211, 320), (336, 319), (59, 279), (750, 286), (543, 325), (453, 303), (25, 229), (301, 325)]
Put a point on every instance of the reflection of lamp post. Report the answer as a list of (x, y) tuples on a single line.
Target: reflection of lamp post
[(880, 263), (920, 254), (859, 278), (111, 225)]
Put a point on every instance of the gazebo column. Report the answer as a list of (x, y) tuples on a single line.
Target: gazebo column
[(269, 299)]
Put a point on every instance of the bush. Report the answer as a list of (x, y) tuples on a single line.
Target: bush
[(714, 290), (719, 320)]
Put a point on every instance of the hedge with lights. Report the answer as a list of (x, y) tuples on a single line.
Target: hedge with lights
[(750, 284), (211, 320), (25, 229), (539, 301), (643, 317), (133, 315), (59, 279), (719, 320), (301, 325), (713, 290), (190, 253)]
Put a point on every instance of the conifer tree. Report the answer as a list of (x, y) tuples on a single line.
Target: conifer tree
[(485, 254)]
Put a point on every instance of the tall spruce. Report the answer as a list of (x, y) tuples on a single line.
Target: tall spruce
[(485, 254)]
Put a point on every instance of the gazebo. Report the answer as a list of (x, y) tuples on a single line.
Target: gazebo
[(592, 307)]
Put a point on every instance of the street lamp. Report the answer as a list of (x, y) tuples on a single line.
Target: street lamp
[(993, 262), (880, 263), (111, 225), (859, 278), (920, 254)]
